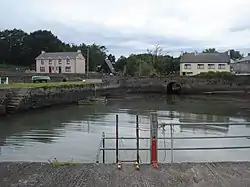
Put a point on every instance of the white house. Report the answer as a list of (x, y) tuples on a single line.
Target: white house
[(242, 66), (196, 63), (60, 62)]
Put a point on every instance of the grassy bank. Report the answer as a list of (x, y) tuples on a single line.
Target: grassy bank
[(37, 85)]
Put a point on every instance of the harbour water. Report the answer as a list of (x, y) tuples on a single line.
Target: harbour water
[(72, 133)]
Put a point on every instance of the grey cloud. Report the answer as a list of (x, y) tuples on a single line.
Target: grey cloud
[(115, 40), (240, 28), (86, 32)]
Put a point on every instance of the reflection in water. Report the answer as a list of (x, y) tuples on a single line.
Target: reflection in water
[(73, 132)]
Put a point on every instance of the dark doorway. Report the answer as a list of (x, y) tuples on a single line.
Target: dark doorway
[(60, 69), (50, 69)]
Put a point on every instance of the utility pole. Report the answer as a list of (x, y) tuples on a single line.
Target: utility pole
[(87, 62)]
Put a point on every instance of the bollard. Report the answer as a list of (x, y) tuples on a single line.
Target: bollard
[(154, 153)]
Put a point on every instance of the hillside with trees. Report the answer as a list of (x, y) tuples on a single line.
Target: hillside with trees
[(18, 48)]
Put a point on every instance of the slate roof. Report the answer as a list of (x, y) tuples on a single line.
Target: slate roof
[(205, 58), (247, 58), (58, 55)]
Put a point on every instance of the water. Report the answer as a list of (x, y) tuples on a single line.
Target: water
[(72, 133)]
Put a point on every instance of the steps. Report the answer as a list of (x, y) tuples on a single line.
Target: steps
[(15, 101)]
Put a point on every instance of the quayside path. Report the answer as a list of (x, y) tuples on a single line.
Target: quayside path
[(226, 174)]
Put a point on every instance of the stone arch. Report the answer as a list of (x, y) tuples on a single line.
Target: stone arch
[(173, 87)]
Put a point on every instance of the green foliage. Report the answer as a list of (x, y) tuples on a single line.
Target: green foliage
[(153, 63), (235, 55), (20, 48), (215, 74), (42, 85), (210, 50)]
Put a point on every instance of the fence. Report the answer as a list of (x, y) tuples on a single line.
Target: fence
[(153, 137)]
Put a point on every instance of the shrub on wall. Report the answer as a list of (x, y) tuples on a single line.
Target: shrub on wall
[(215, 74)]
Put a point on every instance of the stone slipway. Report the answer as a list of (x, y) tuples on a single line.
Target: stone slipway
[(185, 174)]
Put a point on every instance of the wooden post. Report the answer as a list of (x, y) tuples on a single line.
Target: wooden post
[(137, 139), (153, 134), (103, 146), (87, 62), (116, 138)]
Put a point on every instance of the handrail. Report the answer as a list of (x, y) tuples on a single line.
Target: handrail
[(172, 138), (180, 138), (204, 123), (178, 149)]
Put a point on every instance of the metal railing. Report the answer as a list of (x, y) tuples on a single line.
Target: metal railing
[(171, 138)]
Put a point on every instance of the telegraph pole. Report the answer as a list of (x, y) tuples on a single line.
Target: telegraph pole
[(87, 62)]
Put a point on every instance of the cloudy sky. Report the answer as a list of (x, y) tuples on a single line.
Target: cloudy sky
[(132, 26)]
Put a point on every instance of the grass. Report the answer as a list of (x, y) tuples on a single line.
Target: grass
[(56, 163), (41, 85)]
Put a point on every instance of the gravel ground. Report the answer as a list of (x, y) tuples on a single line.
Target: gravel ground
[(185, 174)]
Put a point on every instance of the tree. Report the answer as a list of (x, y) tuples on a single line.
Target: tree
[(210, 50), (150, 63), (235, 55), (111, 58), (20, 48), (120, 64)]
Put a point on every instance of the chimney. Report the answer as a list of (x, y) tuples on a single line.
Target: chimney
[(195, 53), (79, 51), (42, 52), (229, 53), (182, 53)]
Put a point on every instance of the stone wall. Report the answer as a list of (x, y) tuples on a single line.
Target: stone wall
[(44, 97), (3, 93), (189, 85)]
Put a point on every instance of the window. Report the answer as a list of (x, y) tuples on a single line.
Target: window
[(42, 69), (68, 61), (222, 66), (211, 66), (187, 66), (50, 61), (67, 69), (60, 61), (200, 66), (42, 62)]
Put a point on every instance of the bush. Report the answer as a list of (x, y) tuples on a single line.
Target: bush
[(215, 74)]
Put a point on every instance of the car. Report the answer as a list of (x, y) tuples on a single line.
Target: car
[(40, 79)]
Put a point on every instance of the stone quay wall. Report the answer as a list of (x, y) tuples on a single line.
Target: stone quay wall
[(189, 85), (115, 85), (43, 97)]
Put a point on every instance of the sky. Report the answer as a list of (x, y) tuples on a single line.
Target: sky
[(133, 26)]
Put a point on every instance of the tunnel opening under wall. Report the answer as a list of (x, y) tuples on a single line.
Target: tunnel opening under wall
[(173, 88)]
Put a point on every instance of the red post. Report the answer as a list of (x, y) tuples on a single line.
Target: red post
[(154, 153)]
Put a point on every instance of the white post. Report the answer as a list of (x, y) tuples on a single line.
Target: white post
[(153, 130), (172, 143), (0, 81), (7, 80)]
